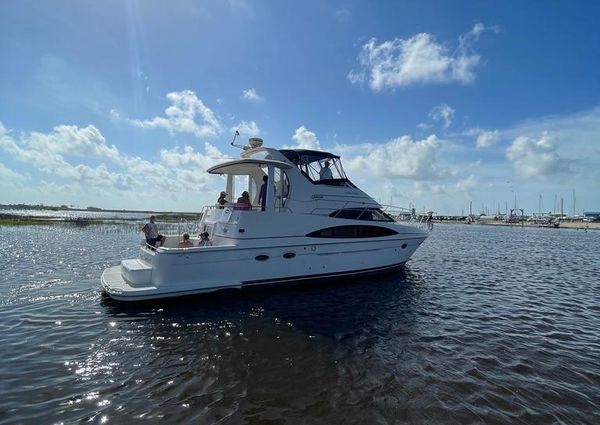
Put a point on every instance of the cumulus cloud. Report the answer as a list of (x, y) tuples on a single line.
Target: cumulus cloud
[(305, 139), (72, 140), (38, 149), (252, 96), (465, 186), (420, 59), (487, 138), (531, 157), (187, 114), (483, 138), (44, 151), (248, 128), (443, 113), (189, 158), (402, 157), (175, 171)]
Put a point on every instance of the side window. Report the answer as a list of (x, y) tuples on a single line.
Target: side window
[(365, 214), (349, 232), (282, 187), (285, 187)]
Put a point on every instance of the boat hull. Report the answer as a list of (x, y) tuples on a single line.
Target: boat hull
[(173, 273)]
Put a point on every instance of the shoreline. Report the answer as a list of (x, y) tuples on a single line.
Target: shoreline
[(29, 220), (578, 225)]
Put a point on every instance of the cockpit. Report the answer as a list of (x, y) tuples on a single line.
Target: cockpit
[(318, 167)]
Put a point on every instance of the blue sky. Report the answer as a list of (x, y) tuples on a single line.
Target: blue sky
[(125, 104)]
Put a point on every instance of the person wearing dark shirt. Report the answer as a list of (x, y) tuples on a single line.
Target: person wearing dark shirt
[(263, 193), (222, 199)]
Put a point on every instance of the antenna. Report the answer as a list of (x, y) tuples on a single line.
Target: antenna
[(236, 134)]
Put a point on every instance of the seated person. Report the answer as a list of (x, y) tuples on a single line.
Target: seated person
[(222, 199), (150, 229), (186, 242), (204, 241), (243, 202), (325, 173)]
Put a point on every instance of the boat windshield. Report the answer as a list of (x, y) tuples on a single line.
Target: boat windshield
[(318, 167)]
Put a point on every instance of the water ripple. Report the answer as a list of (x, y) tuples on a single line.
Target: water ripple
[(484, 325)]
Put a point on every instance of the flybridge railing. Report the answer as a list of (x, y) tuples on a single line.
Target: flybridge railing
[(230, 206), (181, 226), (399, 213), (408, 215)]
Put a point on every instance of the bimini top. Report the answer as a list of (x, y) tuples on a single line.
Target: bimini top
[(246, 166), (306, 156)]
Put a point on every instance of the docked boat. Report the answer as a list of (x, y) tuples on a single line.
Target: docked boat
[(315, 225)]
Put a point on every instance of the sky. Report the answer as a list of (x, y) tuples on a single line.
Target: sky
[(436, 105)]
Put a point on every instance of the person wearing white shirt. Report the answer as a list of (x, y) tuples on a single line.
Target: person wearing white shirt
[(151, 232)]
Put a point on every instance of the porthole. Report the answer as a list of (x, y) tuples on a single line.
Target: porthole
[(403, 246), (261, 257), (289, 255)]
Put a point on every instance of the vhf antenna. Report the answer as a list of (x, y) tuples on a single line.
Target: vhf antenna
[(236, 134)]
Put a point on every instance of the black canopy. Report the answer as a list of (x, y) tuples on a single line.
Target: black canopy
[(306, 156)]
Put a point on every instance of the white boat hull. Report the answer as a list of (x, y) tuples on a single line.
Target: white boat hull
[(172, 273)]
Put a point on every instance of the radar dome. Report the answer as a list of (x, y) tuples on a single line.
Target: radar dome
[(255, 142)]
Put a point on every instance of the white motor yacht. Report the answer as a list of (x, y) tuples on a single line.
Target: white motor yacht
[(309, 229)]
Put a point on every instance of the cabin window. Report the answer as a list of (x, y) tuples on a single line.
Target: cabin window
[(349, 232), (366, 214)]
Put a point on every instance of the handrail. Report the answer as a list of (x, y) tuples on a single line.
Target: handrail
[(231, 205)]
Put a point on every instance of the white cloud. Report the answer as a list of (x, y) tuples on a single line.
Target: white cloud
[(532, 157), (31, 151), (187, 114), (402, 158), (176, 170), (72, 140), (443, 113), (249, 128), (100, 176), (465, 186), (420, 59), (483, 138), (190, 159), (252, 96), (487, 138), (305, 139)]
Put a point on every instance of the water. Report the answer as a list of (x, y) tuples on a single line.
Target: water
[(485, 325), (73, 214)]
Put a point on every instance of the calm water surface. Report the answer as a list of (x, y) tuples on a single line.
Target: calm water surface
[(485, 325)]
